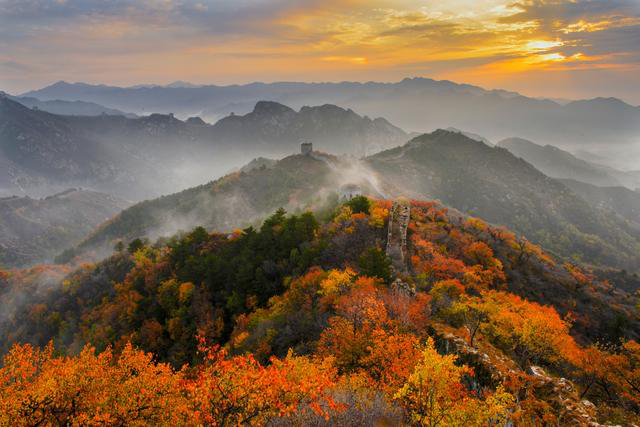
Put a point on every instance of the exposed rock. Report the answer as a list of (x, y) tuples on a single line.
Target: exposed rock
[(403, 287), (494, 368)]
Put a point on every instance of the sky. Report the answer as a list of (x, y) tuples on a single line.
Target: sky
[(548, 48)]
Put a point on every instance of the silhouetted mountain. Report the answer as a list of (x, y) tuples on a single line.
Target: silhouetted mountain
[(413, 104), (147, 156), (34, 230), (558, 163), (330, 128), (42, 152), (69, 108), (629, 179), (463, 173)]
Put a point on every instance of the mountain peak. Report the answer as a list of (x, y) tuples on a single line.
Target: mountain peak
[(271, 107), (61, 84), (445, 133), (182, 84), (601, 102), (196, 121), (517, 141)]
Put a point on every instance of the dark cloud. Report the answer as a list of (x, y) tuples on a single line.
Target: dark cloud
[(549, 12), (611, 41)]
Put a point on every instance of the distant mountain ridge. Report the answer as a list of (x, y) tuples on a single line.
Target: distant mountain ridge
[(416, 104), (330, 127), (558, 163), (146, 156), (34, 230), (68, 108)]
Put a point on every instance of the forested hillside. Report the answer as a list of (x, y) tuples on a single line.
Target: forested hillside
[(491, 183), (488, 182), (317, 327)]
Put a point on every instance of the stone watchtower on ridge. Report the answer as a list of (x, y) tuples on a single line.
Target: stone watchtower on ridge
[(306, 148)]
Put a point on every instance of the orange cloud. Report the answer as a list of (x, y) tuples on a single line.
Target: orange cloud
[(207, 41)]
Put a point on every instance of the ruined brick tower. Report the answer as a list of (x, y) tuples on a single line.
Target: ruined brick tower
[(306, 148)]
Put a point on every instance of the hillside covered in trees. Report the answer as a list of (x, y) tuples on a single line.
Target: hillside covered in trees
[(313, 320), (487, 182)]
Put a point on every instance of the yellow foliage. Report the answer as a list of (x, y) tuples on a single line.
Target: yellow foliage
[(185, 291), (344, 214), (337, 282), (378, 216), (435, 396)]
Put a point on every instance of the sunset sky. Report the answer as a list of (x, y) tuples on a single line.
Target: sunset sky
[(552, 48)]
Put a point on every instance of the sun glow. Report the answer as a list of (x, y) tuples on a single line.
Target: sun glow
[(538, 45), (552, 57)]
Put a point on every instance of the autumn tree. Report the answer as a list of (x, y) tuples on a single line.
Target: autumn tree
[(359, 204), (434, 395), (38, 388), (240, 391), (379, 213), (444, 294), (532, 332), (391, 359), (349, 333), (472, 313)]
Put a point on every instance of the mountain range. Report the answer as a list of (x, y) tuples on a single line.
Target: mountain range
[(488, 182), (618, 200), (514, 265), (67, 108), (558, 163), (416, 104), (144, 157)]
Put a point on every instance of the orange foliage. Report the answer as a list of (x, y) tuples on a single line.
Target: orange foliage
[(533, 332), (37, 388), (241, 391), (435, 396), (348, 336), (391, 359)]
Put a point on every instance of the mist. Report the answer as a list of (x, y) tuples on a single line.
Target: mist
[(604, 125)]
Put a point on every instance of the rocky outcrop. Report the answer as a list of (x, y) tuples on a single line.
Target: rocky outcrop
[(493, 368)]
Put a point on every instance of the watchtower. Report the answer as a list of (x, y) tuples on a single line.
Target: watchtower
[(306, 148)]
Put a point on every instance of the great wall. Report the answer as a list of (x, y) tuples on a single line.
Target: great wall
[(397, 235)]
